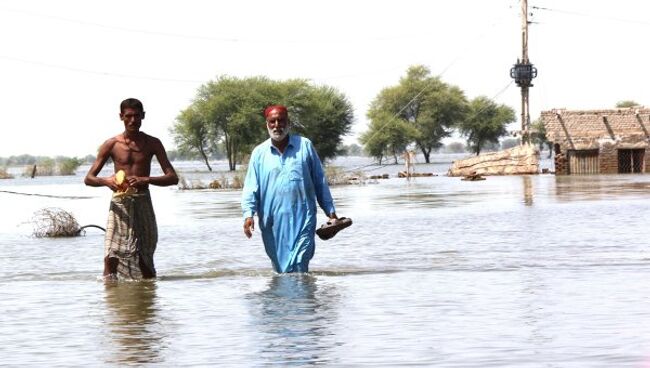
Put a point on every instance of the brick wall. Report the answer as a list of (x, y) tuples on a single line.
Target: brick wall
[(608, 159), (605, 130)]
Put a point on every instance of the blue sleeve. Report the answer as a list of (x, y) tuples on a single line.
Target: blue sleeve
[(323, 195), (250, 193)]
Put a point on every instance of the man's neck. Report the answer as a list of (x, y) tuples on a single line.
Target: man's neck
[(130, 135), (281, 145)]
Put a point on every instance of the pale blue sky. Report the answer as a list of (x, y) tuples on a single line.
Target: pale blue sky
[(65, 65)]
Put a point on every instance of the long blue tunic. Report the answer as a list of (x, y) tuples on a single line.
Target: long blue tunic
[(282, 189)]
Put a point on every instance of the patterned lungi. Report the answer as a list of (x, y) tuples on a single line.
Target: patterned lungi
[(131, 234)]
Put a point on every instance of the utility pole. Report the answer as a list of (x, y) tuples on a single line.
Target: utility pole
[(523, 73)]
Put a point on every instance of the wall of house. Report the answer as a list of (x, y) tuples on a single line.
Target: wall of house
[(608, 159), (561, 163), (605, 130)]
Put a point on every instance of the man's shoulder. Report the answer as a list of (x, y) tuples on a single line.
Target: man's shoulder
[(302, 143), (112, 140), (260, 148), (299, 140), (263, 145), (149, 138)]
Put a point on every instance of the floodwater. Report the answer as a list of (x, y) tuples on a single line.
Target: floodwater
[(514, 271)]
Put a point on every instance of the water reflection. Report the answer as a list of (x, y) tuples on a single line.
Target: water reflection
[(295, 315), (133, 329), (528, 190)]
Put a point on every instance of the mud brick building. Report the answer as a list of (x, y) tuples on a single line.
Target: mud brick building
[(599, 141)]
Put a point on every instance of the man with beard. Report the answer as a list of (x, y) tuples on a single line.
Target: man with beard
[(284, 180)]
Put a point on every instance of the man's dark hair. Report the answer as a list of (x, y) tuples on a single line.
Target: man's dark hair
[(131, 103)]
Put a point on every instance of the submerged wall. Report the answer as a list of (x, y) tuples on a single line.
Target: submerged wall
[(518, 160)]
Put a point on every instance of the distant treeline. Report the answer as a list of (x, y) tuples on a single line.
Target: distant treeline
[(174, 155), (23, 160), (42, 165)]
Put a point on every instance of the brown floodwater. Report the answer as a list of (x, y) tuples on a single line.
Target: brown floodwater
[(513, 271)]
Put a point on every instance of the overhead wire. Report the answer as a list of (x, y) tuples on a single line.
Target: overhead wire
[(427, 86), (105, 74), (570, 12), (195, 36)]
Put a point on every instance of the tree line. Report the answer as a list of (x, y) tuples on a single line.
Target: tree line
[(421, 110), (225, 117)]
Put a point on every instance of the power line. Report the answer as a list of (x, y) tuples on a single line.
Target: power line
[(451, 64), (569, 12), (104, 74), (195, 36)]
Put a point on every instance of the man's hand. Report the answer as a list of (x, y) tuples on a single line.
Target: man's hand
[(110, 182), (137, 181), (249, 227)]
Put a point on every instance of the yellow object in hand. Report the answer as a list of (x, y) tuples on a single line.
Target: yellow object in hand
[(123, 185), (119, 177)]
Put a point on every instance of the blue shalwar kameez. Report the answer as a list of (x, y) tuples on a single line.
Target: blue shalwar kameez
[(282, 188)]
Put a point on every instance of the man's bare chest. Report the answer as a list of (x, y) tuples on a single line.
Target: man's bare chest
[(129, 153)]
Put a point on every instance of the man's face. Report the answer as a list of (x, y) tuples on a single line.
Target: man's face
[(277, 123), (132, 119)]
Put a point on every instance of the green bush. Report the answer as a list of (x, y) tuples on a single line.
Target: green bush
[(69, 166)]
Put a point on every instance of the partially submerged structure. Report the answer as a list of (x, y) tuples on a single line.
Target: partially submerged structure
[(599, 141), (519, 160)]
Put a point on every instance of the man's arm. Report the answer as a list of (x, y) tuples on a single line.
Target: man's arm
[(323, 195), (103, 155), (249, 197)]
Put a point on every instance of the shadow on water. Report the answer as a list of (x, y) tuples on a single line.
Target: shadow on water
[(132, 328), (296, 314)]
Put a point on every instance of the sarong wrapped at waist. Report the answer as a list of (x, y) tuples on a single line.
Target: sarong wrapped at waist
[(131, 234)]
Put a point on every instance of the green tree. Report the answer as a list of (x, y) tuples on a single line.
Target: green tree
[(626, 103), (509, 143), (322, 114), (352, 149), (232, 109), (538, 136), (231, 112), (455, 147), (68, 165), (485, 123), (191, 134), (387, 135), (431, 106)]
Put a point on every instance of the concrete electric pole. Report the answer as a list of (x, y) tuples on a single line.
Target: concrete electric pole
[(523, 73)]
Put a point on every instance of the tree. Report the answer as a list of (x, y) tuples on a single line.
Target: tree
[(191, 133), (231, 109), (626, 103), (68, 165), (228, 113), (321, 113), (485, 123), (431, 106), (387, 135), (352, 149), (538, 136), (455, 147), (509, 143)]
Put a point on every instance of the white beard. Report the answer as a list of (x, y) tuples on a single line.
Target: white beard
[(278, 134)]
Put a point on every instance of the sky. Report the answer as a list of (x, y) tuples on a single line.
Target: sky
[(66, 65)]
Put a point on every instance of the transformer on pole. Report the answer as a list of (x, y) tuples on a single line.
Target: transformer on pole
[(523, 73)]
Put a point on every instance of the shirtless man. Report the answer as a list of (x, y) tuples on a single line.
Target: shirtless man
[(131, 232)]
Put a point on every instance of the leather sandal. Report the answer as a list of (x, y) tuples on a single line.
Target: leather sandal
[(333, 226)]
